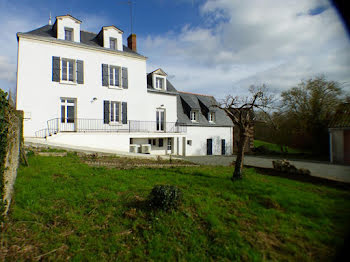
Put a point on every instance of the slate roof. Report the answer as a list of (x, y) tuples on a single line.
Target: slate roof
[(86, 38), (170, 88), (342, 117), (204, 104), (189, 101)]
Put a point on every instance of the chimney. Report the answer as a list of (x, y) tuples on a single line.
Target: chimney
[(132, 42)]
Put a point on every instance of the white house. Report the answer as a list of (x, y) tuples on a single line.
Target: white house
[(86, 89)]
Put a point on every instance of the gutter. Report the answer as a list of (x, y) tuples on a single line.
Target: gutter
[(79, 45)]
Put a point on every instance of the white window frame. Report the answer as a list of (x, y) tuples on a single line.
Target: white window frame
[(115, 43), (211, 117), (194, 115), (71, 30), (159, 83), (155, 84), (113, 105), (169, 144), (67, 81), (113, 77)]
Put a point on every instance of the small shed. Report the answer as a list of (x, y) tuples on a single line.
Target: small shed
[(339, 135)]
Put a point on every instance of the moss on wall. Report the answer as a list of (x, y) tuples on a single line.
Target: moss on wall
[(10, 143)]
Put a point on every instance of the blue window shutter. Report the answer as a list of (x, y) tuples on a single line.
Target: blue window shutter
[(105, 75), (124, 112), (56, 69), (80, 72), (124, 77), (106, 112), (117, 113)]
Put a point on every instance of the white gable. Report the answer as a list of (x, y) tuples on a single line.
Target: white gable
[(68, 22), (112, 32)]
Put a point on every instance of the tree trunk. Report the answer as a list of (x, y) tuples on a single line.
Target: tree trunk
[(237, 174)]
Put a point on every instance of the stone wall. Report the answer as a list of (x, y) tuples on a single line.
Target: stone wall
[(11, 138)]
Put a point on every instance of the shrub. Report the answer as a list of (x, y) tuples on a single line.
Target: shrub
[(165, 197)]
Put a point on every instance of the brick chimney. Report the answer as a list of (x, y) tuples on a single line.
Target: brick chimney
[(132, 42)]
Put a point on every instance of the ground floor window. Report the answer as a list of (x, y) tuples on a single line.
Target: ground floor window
[(161, 142), (169, 143)]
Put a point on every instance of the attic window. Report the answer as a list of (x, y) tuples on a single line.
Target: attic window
[(160, 83), (211, 117), (113, 43), (68, 34), (194, 116)]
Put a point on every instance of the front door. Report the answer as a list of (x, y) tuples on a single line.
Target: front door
[(68, 110), (209, 147), (160, 120), (223, 147)]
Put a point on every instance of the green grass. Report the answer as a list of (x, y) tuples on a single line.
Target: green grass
[(64, 209), (276, 148)]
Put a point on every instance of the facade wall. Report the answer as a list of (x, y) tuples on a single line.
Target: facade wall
[(117, 141), (199, 135), (39, 96)]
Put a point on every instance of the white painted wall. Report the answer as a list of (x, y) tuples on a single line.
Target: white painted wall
[(199, 136), (114, 141), (109, 32), (63, 22)]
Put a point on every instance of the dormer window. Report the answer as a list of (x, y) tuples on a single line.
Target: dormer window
[(211, 117), (160, 83), (113, 43), (68, 34), (194, 116)]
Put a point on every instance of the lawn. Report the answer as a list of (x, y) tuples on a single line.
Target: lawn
[(277, 148), (64, 209)]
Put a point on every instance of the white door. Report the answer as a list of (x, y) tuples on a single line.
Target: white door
[(68, 110), (160, 117)]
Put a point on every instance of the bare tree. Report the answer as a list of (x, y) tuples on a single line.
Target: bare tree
[(241, 112)]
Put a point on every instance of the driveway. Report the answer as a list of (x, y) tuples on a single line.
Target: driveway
[(320, 169)]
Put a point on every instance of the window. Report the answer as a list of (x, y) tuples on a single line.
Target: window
[(67, 110), (159, 83), (194, 116), (68, 69), (150, 141), (154, 142), (160, 142), (169, 143), (113, 43), (115, 112), (68, 34), (189, 142), (211, 117), (160, 119), (115, 116), (114, 76)]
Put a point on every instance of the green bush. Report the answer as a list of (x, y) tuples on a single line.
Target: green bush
[(165, 197)]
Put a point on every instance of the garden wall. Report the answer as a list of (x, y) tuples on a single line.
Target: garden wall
[(11, 138)]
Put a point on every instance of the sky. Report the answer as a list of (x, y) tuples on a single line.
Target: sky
[(213, 47)]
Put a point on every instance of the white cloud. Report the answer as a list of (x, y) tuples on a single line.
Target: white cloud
[(253, 42)]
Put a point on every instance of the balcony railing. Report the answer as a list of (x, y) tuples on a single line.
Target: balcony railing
[(55, 126)]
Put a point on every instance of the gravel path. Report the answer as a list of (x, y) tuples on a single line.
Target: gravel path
[(320, 169)]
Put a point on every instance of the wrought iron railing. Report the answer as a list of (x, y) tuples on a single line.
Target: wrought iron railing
[(55, 126)]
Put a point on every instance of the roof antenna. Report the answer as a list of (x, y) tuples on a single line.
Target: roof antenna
[(131, 22), (130, 3), (50, 22)]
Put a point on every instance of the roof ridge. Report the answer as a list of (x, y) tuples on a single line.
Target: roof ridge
[(195, 94)]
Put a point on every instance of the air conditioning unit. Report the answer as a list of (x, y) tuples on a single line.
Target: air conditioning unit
[(134, 148), (146, 149)]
